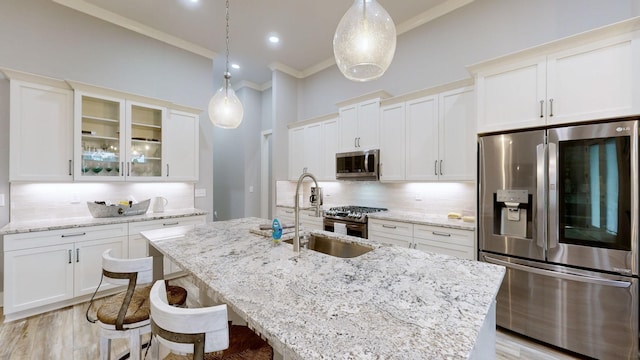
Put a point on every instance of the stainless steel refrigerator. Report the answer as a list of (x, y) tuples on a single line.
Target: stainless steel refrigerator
[(558, 207)]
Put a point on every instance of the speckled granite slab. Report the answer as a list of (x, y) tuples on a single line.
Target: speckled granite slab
[(69, 223), (425, 219), (390, 303)]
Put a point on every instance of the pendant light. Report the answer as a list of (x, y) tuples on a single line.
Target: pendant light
[(225, 109), (365, 41)]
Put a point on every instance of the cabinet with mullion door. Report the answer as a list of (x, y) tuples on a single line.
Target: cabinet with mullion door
[(117, 139)]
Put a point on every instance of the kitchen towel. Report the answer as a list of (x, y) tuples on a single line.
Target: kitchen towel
[(340, 228)]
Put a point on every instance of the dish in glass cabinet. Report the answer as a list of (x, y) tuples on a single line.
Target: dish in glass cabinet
[(85, 169), (97, 169), (108, 168)]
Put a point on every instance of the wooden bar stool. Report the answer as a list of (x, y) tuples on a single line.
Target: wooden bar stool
[(204, 332), (126, 315)]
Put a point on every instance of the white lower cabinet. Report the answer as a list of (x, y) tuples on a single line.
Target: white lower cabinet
[(46, 267), (390, 232), (454, 242), (138, 245), (437, 239), (307, 217), (47, 270), (310, 221), (285, 215)]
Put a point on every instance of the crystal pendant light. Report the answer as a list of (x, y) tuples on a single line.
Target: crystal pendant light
[(225, 109), (365, 41)]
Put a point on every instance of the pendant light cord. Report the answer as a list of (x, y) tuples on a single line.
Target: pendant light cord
[(227, 75)]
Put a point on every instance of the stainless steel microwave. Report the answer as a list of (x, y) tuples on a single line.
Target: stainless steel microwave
[(357, 165)]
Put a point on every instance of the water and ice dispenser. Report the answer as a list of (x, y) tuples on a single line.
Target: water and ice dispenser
[(513, 213)]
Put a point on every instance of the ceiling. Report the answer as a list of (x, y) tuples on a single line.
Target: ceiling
[(305, 28)]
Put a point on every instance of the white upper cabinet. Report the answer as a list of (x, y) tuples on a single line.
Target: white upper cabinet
[(422, 138), (359, 126), (330, 148), (457, 135), (180, 153), (590, 76), (590, 82), (313, 147), (512, 97), (392, 144), (41, 131), (430, 138)]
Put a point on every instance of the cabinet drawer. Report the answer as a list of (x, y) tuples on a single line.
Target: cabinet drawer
[(54, 237), (390, 239), (395, 228), (443, 234), (463, 252), (137, 227)]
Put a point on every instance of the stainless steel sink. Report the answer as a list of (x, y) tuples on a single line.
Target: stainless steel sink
[(333, 247)]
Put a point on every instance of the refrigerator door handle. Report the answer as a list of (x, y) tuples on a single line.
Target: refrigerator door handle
[(559, 275), (540, 200), (552, 232)]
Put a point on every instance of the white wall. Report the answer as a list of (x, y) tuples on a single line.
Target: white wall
[(41, 37), (438, 52)]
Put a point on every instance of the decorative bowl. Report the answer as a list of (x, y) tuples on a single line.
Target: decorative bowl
[(102, 211)]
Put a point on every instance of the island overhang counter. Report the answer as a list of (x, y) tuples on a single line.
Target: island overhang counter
[(390, 303)]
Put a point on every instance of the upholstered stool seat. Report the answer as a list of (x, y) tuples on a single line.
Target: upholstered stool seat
[(244, 344), (176, 295), (137, 311)]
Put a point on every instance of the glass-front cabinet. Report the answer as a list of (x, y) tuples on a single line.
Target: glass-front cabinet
[(117, 140)]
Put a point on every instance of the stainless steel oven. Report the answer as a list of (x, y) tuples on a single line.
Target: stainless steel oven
[(349, 220), (559, 208)]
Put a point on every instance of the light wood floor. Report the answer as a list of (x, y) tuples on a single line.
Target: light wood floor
[(66, 334)]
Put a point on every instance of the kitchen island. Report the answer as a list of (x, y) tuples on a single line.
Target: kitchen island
[(390, 303)]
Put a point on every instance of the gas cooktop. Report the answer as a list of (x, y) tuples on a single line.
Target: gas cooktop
[(353, 213)]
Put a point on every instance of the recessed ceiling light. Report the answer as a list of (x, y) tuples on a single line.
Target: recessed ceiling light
[(274, 39), (235, 66)]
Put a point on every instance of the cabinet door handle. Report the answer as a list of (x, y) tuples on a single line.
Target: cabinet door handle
[(355, 142), (358, 142), (72, 235), (550, 107), (440, 167), (122, 168), (70, 168), (389, 226), (69, 256), (128, 168), (541, 108), (435, 168), (440, 234), (77, 255), (167, 170), (170, 224)]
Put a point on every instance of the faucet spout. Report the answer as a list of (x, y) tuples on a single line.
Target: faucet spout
[(296, 210)]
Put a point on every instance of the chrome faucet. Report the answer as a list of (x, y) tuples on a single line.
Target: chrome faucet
[(296, 210)]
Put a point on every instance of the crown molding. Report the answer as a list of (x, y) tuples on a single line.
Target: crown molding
[(286, 69), (431, 14), (100, 13)]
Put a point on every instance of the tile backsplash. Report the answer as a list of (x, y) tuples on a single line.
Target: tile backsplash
[(428, 197), (37, 201)]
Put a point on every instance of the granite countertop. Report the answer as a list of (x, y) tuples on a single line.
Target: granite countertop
[(423, 219), (69, 223), (390, 303)]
